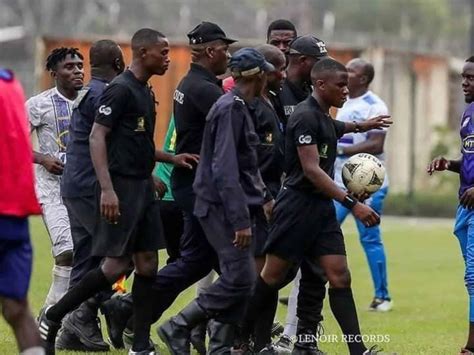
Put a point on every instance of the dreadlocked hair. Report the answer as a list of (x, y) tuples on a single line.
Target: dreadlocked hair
[(59, 54)]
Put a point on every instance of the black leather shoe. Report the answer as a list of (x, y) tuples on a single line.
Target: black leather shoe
[(67, 340), (198, 338), (83, 323), (116, 312), (176, 332)]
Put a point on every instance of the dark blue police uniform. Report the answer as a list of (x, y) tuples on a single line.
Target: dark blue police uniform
[(78, 182), (228, 187)]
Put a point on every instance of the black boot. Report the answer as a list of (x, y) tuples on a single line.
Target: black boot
[(198, 338), (67, 340), (117, 311), (307, 340), (83, 322), (176, 332), (221, 338)]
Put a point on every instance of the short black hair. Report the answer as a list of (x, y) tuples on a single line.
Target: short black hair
[(145, 37), (369, 71), (326, 65), (470, 59), (103, 52), (280, 25), (59, 54)]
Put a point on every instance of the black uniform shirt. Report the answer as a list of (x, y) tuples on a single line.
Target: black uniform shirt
[(309, 125), (228, 173), (127, 106), (78, 177), (290, 96), (193, 98), (270, 147)]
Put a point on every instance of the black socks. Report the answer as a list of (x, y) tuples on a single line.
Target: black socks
[(143, 300)]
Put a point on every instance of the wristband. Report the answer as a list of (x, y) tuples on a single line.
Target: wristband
[(357, 127), (349, 202)]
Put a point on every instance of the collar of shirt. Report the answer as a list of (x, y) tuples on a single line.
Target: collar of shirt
[(204, 73), (313, 102), (132, 77), (96, 78)]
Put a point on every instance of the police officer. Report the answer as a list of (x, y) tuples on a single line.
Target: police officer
[(193, 98), (80, 329), (123, 154), (228, 189), (304, 52), (304, 219)]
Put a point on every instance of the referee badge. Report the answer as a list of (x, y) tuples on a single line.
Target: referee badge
[(323, 151), (140, 124), (269, 137)]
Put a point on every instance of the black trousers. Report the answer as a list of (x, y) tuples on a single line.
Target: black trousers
[(172, 218)]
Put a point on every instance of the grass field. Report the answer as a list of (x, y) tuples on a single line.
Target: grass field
[(425, 279)]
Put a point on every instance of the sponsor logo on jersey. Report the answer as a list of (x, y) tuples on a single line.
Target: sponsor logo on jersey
[(468, 144), (105, 110), (140, 124), (323, 150), (269, 137), (304, 139)]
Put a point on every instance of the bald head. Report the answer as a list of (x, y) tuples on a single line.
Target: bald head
[(361, 67), (272, 54), (104, 53)]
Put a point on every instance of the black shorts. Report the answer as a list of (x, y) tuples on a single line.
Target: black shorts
[(304, 225), (139, 227), (260, 231)]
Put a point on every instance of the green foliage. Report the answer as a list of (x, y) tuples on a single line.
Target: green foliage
[(422, 204)]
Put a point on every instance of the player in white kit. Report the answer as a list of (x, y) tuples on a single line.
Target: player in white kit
[(362, 105), (49, 114)]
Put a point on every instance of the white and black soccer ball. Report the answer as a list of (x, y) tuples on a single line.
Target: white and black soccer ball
[(363, 173)]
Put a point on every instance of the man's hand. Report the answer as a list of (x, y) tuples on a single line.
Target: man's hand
[(52, 164), (268, 209), (378, 122), (109, 206), (160, 186), (467, 199), (243, 238), (186, 160), (438, 164), (365, 214)]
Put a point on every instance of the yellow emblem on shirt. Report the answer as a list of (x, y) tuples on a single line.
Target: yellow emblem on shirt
[(140, 124)]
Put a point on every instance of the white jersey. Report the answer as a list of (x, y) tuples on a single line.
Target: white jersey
[(358, 109), (50, 113)]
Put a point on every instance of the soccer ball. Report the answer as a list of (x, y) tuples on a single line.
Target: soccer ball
[(363, 173)]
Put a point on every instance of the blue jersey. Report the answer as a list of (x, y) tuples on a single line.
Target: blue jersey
[(467, 149)]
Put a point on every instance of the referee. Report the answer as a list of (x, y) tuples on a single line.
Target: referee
[(123, 154), (304, 221)]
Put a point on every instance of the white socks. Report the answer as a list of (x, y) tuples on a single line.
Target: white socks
[(60, 284), (37, 350)]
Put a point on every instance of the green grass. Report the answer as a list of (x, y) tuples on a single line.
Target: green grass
[(425, 279)]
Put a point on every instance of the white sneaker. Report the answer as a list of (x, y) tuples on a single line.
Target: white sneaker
[(380, 305)]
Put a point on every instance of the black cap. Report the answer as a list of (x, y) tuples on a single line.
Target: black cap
[(207, 32), (308, 45), (247, 62)]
